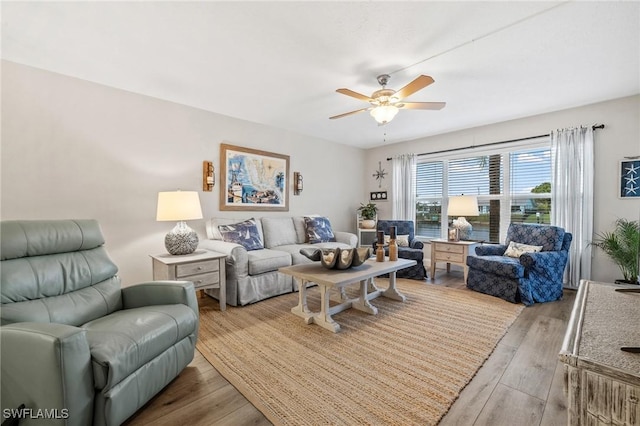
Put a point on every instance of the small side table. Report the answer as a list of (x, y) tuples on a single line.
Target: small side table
[(370, 238), (203, 267), (455, 252)]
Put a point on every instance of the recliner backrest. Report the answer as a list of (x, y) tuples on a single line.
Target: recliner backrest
[(549, 237), (56, 271)]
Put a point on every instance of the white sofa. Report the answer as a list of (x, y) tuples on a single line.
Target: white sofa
[(253, 275)]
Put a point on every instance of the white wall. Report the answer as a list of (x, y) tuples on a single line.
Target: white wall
[(75, 149), (620, 138)]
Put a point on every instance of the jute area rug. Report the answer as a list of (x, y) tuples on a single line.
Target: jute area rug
[(404, 366)]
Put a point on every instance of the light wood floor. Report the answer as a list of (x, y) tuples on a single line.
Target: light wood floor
[(520, 384)]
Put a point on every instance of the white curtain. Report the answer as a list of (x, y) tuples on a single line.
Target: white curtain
[(572, 196), (404, 187)]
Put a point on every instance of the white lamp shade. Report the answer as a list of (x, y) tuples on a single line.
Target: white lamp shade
[(178, 205), (384, 113), (463, 205)]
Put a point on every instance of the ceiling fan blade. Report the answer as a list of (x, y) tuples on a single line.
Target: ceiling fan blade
[(349, 113), (354, 94), (422, 105), (419, 83)]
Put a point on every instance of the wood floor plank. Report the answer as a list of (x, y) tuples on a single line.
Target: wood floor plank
[(510, 407), (476, 394), (209, 409), (534, 364), (247, 415), (555, 410)]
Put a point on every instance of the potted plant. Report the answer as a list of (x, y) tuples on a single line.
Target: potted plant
[(623, 247), (368, 212)]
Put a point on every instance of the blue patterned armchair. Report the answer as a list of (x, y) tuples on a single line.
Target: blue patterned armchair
[(412, 251), (533, 277)]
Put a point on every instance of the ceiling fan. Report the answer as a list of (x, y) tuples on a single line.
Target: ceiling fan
[(385, 103)]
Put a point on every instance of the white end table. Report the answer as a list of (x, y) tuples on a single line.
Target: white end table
[(455, 252), (203, 267)]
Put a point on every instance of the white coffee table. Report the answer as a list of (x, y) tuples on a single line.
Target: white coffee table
[(328, 279)]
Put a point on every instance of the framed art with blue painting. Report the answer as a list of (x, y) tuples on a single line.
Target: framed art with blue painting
[(253, 179), (629, 184)]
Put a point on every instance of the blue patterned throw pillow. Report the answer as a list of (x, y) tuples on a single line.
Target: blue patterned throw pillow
[(318, 229), (244, 233)]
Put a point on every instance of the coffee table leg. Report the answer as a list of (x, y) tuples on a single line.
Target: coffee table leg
[(362, 303), (323, 318), (302, 310), (371, 285), (392, 292)]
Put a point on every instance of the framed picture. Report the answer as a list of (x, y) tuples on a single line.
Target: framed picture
[(629, 183), (253, 179)]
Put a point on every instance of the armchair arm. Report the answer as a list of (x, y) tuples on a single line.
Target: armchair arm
[(47, 366), (237, 256), (491, 250), (545, 261), (160, 293), (416, 244), (346, 238)]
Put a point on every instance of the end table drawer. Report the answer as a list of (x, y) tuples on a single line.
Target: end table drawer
[(212, 278), (197, 268), (449, 257), (449, 248)]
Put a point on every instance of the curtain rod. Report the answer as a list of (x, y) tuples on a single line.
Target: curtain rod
[(594, 127)]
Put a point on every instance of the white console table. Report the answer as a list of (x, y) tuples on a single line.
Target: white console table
[(602, 381)]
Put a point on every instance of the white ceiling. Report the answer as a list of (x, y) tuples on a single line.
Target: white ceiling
[(279, 63)]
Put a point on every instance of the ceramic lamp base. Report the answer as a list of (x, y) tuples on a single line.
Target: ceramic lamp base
[(181, 240), (464, 228)]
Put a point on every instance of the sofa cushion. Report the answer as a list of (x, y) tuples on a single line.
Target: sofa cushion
[(498, 265), (278, 231), (318, 229), (261, 261), (244, 233), (301, 229), (126, 340)]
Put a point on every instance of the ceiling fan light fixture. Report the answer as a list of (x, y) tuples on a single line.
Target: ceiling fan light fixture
[(384, 113)]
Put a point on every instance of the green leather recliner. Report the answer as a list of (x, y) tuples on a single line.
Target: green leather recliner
[(74, 345)]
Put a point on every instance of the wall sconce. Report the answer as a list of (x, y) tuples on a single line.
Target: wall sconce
[(297, 183), (208, 179)]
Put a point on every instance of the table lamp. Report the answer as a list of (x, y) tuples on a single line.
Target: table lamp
[(179, 206), (461, 206)]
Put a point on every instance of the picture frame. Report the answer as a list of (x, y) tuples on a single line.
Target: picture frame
[(253, 180), (629, 179)]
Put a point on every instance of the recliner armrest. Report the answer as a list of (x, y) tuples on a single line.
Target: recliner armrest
[(160, 293), (47, 366)]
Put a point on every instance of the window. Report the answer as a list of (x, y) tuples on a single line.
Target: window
[(429, 185), (531, 186), (512, 185)]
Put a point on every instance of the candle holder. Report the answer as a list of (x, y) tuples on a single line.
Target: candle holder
[(380, 253), (393, 244)]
